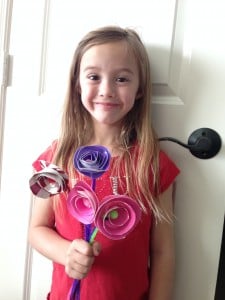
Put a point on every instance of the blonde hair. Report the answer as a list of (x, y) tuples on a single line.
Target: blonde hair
[(136, 126)]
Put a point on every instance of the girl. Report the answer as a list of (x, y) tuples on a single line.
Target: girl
[(108, 104)]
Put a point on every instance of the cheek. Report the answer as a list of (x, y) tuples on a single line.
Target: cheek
[(86, 94), (88, 90), (130, 99)]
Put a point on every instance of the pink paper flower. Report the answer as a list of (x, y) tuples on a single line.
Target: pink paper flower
[(117, 216), (82, 202)]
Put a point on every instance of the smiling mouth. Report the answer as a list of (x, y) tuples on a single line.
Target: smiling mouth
[(107, 104)]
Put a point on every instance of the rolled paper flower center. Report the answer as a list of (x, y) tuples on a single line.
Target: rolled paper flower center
[(122, 219), (83, 206), (86, 203), (114, 214), (51, 186)]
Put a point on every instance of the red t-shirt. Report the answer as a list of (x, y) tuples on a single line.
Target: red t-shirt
[(121, 271)]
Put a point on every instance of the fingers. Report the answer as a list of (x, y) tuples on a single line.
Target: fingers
[(80, 257)]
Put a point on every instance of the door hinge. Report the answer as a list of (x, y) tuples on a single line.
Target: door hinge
[(5, 70)]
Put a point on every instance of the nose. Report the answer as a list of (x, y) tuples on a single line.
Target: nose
[(107, 89)]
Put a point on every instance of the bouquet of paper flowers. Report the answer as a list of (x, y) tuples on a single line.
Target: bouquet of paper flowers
[(115, 216)]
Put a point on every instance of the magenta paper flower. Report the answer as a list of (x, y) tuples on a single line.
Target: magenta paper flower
[(92, 161), (117, 216), (82, 203)]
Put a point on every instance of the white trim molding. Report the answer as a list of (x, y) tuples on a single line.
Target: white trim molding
[(44, 48), (6, 7)]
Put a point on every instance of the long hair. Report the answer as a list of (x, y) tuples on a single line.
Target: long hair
[(137, 135)]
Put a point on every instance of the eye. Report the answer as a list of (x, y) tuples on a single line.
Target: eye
[(93, 77), (122, 79)]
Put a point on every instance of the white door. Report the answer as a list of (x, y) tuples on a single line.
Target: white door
[(187, 51)]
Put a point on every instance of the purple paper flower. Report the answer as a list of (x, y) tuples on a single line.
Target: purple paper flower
[(92, 161), (117, 216), (82, 203)]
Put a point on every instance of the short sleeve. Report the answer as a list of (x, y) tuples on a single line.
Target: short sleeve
[(47, 156), (168, 171)]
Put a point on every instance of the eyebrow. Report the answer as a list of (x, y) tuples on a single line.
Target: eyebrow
[(116, 70)]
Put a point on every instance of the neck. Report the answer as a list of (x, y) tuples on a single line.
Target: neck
[(107, 136)]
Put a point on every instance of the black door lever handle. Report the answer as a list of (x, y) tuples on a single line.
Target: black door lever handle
[(203, 143)]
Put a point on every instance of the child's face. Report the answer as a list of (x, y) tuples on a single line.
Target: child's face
[(108, 82)]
